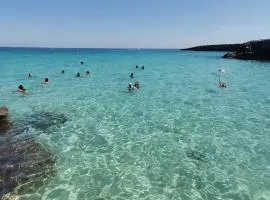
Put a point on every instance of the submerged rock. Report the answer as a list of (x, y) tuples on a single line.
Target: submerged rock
[(44, 120), (196, 155), (4, 122), (3, 112), (23, 162)]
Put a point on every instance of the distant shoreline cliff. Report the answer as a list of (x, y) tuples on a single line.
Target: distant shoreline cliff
[(252, 50)]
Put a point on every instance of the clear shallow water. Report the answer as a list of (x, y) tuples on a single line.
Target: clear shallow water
[(178, 137)]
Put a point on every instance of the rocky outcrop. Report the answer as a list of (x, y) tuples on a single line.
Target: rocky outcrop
[(218, 47), (252, 50)]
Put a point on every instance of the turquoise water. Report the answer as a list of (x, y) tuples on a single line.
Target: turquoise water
[(178, 137)]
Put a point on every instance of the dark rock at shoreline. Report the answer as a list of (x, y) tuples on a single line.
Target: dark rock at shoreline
[(252, 50), (23, 162)]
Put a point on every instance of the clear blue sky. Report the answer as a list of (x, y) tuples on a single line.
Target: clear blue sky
[(132, 23)]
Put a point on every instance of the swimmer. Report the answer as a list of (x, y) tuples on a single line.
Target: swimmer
[(221, 70), (131, 75), (78, 75), (87, 73), (29, 75), (142, 67), (131, 87), (21, 89), (82, 62), (222, 84), (63, 71), (136, 85), (137, 66), (46, 81)]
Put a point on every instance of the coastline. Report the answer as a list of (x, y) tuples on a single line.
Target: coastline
[(251, 50)]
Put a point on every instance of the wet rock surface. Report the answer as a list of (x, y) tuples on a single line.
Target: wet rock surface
[(24, 162), (4, 122), (3, 112)]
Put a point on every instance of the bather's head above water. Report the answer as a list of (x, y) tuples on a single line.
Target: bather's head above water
[(21, 88)]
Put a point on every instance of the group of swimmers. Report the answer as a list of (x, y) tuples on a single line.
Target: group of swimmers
[(131, 86), (22, 89), (136, 84), (138, 67)]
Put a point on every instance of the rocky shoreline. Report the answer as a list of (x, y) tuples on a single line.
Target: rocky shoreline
[(252, 50)]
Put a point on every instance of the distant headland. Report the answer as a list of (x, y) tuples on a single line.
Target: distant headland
[(252, 50)]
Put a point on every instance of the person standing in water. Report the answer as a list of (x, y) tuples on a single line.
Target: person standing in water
[(131, 75), (29, 75)]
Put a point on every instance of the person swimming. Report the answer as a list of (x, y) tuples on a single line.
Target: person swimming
[(131, 87), (221, 71), (142, 67), (29, 75), (21, 89), (82, 62), (222, 84), (136, 85), (131, 75), (63, 71), (78, 75), (88, 72), (46, 81), (137, 66)]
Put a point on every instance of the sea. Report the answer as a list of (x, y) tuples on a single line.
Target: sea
[(178, 137)]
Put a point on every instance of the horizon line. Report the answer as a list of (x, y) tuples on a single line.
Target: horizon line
[(120, 48)]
